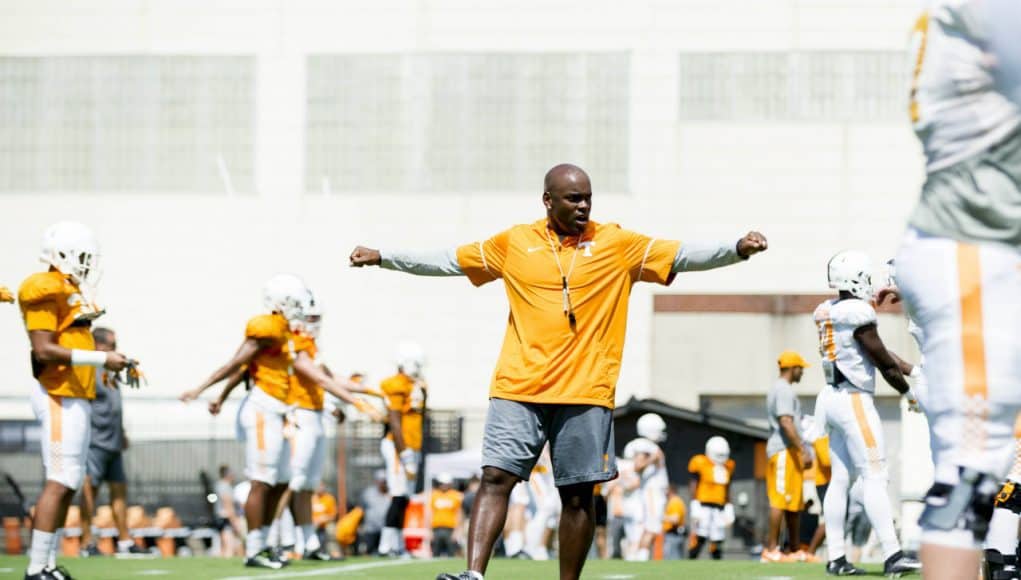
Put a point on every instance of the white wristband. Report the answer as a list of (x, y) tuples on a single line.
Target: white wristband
[(916, 372), (88, 358)]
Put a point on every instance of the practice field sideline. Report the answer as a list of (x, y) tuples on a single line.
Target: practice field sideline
[(209, 568)]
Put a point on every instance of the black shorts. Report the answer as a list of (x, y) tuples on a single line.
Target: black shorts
[(104, 465), (600, 502)]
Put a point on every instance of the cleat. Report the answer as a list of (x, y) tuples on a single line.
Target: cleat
[(278, 555), (263, 560), (133, 549), (841, 567), (803, 556), (320, 555), (50, 573), (89, 551), (899, 564), (466, 575), (775, 556)]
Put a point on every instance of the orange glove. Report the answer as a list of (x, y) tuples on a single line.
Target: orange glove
[(6, 295)]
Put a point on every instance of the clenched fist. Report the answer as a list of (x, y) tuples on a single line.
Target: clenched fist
[(362, 256), (751, 244)]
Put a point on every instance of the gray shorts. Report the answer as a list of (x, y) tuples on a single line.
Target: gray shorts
[(580, 438), (104, 465)]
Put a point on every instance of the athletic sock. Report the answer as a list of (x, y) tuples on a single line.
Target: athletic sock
[(877, 507), (388, 540), (311, 537), (834, 512), (273, 533), (514, 542), (642, 555), (475, 575), (51, 560), (255, 542), (124, 545), (39, 552)]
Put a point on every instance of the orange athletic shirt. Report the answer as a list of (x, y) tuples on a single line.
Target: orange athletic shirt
[(49, 301), (544, 359), (713, 479)]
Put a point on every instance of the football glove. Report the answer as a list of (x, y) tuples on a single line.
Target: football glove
[(6, 295)]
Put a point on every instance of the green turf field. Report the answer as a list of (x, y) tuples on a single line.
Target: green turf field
[(207, 568)]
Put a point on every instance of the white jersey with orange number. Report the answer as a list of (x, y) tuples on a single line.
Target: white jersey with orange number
[(837, 321)]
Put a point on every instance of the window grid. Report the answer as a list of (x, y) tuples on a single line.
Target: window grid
[(794, 86), (465, 122), (126, 123)]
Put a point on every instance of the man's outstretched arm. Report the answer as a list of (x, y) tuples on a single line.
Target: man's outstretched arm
[(421, 263), (696, 256)]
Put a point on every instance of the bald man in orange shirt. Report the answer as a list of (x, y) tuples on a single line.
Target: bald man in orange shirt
[(568, 280)]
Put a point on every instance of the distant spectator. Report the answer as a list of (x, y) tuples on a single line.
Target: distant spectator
[(445, 507), (673, 526), (105, 462), (375, 501), (227, 520), (324, 513)]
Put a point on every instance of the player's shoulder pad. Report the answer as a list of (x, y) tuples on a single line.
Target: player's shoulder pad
[(731, 464), (853, 312), (822, 311), (42, 287), (697, 461), (266, 326), (304, 343)]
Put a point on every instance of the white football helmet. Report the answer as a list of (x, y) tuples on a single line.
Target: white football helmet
[(313, 317), (851, 270), (717, 449), (71, 249), (410, 359), (288, 295), (652, 427)]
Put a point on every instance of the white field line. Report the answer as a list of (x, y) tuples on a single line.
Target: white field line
[(332, 570)]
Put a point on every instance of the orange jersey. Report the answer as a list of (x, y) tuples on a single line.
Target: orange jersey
[(51, 302), (713, 479), (271, 368), (324, 509), (398, 393), (544, 359), (673, 516), (821, 446), (303, 392), (445, 506)]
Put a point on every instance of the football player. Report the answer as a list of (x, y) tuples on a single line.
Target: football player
[(404, 395), (650, 466), (711, 511), (1001, 547), (959, 268), (546, 513), (58, 308), (852, 351), (274, 353)]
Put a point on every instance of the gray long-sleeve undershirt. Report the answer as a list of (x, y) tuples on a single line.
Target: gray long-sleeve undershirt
[(691, 257)]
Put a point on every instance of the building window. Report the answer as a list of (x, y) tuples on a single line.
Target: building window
[(794, 86), (126, 123), (465, 122)]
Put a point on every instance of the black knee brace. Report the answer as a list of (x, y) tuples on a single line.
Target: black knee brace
[(966, 506), (395, 513), (997, 566)]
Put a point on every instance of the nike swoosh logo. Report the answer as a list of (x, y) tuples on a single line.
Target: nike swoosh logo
[(535, 249)]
